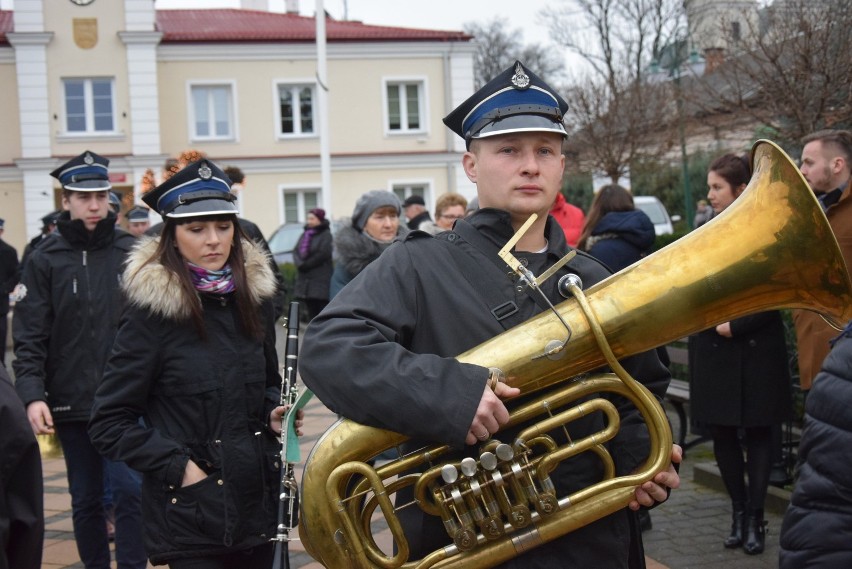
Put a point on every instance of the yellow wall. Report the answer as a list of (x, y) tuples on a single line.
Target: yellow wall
[(355, 106), (10, 141), (12, 210), (65, 59)]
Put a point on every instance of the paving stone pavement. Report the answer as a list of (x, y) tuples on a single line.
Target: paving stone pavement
[(689, 528)]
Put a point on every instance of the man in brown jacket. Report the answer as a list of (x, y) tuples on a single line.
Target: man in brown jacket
[(826, 165)]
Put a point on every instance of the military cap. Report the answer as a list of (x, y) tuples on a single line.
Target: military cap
[(51, 218), (84, 173), (201, 188), (137, 213), (517, 100), (115, 201)]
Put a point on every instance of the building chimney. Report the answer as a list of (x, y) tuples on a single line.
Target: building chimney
[(261, 5), (291, 6), (713, 58)]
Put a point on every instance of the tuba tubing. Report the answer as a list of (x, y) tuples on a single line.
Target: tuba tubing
[(772, 249)]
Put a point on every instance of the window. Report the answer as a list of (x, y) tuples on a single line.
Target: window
[(405, 108), (89, 106), (297, 203), (212, 112), (296, 110), (736, 33), (403, 191)]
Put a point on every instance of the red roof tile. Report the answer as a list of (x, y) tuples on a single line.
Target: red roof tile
[(232, 25)]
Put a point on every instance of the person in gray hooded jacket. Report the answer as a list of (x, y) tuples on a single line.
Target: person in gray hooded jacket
[(373, 227)]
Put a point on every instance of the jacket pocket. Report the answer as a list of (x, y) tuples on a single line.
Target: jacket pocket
[(197, 514)]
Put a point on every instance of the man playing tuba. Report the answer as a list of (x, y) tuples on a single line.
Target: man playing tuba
[(395, 330)]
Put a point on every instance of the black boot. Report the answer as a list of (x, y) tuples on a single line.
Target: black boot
[(737, 527), (755, 538)]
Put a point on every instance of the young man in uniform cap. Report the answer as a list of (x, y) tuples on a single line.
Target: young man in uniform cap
[(415, 211), (397, 327), (63, 328), (138, 220)]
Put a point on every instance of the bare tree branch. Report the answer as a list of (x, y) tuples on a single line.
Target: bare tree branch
[(796, 75), (498, 48), (613, 111)]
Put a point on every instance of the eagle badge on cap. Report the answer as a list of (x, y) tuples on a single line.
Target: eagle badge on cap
[(204, 172), (88, 159), (520, 79)]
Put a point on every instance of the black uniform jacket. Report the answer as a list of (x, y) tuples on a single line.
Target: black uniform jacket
[(63, 328), (744, 380), (382, 353), (205, 399)]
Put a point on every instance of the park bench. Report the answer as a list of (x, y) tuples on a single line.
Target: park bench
[(677, 394)]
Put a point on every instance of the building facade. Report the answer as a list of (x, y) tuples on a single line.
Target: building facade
[(141, 86)]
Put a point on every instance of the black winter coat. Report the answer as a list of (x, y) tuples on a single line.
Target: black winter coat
[(21, 486), (621, 238), (64, 327), (314, 269), (818, 523), (743, 381), (205, 399), (383, 353)]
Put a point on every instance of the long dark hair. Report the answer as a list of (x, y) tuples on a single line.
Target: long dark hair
[(609, 198), (168, 255)]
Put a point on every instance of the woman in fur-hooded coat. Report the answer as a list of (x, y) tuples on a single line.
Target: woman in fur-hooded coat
[(192, 386)]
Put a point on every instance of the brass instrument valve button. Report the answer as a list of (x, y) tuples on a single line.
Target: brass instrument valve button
[(449, 473), (488, 461), (468, 467)]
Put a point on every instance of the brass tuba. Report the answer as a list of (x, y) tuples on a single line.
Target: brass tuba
[(773, 248)]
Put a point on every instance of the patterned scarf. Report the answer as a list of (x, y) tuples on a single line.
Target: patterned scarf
[(214, 282)]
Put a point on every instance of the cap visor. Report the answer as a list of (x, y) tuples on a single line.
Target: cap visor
[(203, 207), (88, 186), (521, 123)]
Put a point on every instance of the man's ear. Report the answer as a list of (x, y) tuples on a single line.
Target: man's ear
[(469, 163)]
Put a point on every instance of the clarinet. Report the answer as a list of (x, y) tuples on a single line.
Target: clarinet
[(288, 506)]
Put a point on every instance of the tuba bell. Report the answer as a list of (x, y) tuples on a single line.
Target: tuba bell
[(773, 248)]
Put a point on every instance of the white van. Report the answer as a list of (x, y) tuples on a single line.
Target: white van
[(655, 209)]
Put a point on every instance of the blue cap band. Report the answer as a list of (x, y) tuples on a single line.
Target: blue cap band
[(83, 172), (509, 97), (172, 198)]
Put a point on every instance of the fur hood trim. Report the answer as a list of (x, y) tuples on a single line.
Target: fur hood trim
[(356, 249), (154, 288)]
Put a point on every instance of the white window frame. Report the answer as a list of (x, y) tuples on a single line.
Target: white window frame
[(300, 190), (231, 87), (407, 184), (295, 84), (88, 103), (422, 101)]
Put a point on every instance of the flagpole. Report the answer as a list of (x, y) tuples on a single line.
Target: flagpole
[(322, 109)]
